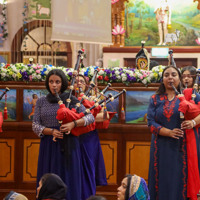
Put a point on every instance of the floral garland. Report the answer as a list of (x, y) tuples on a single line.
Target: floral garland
[(36, 72), (3, 24), (25, 19)]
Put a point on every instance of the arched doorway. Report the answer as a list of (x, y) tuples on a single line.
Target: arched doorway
[(36, 43)]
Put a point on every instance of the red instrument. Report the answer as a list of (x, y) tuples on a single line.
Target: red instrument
[(5, 109), (65, 115), (1, 121)]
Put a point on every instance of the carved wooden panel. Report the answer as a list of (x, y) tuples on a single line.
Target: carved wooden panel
[(109, 149), (30, 160), (137, 158), (7, 150)]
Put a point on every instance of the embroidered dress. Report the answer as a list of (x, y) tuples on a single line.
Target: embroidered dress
[(54, 157), (168, 162)]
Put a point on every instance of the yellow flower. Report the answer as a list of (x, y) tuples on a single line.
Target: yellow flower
[(19, 75), (10, 72), (155, 75)]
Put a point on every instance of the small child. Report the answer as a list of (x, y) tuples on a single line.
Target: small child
[(33, 102)]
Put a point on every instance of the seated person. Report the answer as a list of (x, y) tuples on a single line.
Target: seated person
[(51, 186), (15, 196), (133, 187), (95, 197)]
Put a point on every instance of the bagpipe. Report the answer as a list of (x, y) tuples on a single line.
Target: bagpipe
[(5, 108), (188, 111), (66, 115)]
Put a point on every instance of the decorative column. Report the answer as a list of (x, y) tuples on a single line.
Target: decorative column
[(118, 19)]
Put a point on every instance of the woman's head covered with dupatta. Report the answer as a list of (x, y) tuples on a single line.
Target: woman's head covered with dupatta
[(51, 186), (133, 187)]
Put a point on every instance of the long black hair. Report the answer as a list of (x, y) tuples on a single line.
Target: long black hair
[(161, 89), (61, 74), (129, 176)]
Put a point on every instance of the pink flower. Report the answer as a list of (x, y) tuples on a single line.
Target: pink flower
[(37, 71), (114, 1), (198, 41), (118, 30), (35, 67), (30, 78)]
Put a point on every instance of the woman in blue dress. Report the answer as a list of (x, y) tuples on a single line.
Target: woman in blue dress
[(91, 153), (168, 156), (62, 157)]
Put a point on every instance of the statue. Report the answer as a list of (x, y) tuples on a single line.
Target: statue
[(163, 16)]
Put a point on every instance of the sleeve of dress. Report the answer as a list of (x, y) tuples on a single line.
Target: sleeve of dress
[(36, 125), (151, 117), (89, 118), (197, 99)]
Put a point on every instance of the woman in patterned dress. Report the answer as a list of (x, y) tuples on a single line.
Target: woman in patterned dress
[(168, 162), (62, 157)]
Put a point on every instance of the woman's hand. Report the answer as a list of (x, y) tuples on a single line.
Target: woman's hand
[(57, 134), (66, 128), (187, 124), (176, 133)]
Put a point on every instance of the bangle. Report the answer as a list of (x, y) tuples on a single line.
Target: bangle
[(75, 123), (52, 131), (194, 123)]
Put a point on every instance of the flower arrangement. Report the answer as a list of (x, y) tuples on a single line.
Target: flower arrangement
[(36, 72), (4, 34)]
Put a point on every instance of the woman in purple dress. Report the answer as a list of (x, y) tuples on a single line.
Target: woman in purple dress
[(91, 153), (168, 158), (62, 157)]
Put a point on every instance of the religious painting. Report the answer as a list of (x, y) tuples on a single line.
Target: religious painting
[(113, 106), (39, 9), (136, 106), (30, 98), (162, 23), (4, 57), (9, 101)]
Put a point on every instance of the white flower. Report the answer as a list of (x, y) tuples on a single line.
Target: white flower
[(81, 73), (101, 72), (117, 72), (38, 76), (123, 75), (118, 77), (92, 71), (124, 79), (3, 74), (144, 81)]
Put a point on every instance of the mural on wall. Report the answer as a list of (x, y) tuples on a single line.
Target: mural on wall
[(159, 22), (113, 106), (30, 98), (39, 9), (11, 104), (136, 106)]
